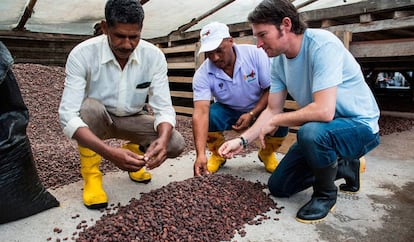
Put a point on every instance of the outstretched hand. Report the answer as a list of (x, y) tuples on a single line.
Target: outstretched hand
[(268, 128), (200, 166), (230, 148)]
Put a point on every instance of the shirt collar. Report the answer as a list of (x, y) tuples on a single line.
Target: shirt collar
[(108, 55), (214, 70)]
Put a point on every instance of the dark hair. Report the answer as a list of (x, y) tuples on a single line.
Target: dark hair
[(273, 12), (124, 11)]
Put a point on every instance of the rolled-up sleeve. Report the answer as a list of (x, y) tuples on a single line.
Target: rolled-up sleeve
[(73, 95)]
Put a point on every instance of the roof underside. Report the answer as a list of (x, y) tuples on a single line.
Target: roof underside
[(162, 17)]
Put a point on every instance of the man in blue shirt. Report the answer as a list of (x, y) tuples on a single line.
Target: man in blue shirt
[(238, 78), (338, 114)]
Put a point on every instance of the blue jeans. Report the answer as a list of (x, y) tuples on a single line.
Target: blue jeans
[(318, 146), (223, 117)]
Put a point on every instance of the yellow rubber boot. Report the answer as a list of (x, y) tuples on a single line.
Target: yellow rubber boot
[(267, 155), (362, 163), (94, 197), (141, 176), (214, 141)]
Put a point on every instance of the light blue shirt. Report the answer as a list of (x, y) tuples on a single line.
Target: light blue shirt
[(321, 63), (93, 72), (250, 77)]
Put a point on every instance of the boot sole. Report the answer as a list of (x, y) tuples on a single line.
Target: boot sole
[(97, 206), (143, 181), (316, 220)]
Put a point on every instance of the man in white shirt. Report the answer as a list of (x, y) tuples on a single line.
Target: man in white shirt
[(108, 79)]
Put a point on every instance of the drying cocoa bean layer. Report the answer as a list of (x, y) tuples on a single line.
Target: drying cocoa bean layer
[(209, 208), (56, 157)]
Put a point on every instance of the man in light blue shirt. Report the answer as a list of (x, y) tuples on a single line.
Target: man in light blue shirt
[(238, 77), (338, 113), (108, 79)]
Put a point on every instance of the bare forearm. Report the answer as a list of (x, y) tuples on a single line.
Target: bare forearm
[(164, 131), (200, 130), (261, 104), (253, 132), (310, 113), (86, 138)]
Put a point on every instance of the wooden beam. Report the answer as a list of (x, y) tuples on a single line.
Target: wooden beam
[(345, 37), (181, 109), (355, 9), (366, 18), (328, 22), (179, 49), (182, 94), (245, 40), (180, 79), (383, 48), (380, 25), (26, 15), (181, 65), (400, 14)]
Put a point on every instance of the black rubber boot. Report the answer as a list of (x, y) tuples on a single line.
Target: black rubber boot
[(350, 171), (323, 197)]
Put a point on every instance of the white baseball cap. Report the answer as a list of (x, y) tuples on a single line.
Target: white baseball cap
[(212, 35)]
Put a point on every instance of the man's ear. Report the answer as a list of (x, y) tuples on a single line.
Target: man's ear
[(286, 24), (104, 27)]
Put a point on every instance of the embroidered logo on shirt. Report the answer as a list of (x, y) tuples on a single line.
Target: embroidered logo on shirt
[(221, 85), (250, 77)]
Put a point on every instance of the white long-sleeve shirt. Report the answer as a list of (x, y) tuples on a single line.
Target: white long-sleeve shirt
[(93, 72)]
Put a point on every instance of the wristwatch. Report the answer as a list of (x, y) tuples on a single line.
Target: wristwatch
[(243, 142)]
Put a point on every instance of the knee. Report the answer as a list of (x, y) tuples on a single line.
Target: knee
[(311, 134), (177, 145), (214, 121), (277, 187), (91, 110)]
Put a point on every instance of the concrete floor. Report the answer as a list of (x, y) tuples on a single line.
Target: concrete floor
[(382, 211)]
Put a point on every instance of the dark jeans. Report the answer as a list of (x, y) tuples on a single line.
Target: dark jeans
[(318, 146)]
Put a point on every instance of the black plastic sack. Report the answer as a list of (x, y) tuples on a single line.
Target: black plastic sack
[(21, 192)]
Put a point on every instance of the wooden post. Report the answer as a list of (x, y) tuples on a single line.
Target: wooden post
[(26, 15), (345, 37), (198, 58)]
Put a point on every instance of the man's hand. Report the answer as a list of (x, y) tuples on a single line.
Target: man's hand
[(200, 166), (268, 128), (156, 154), (230, 148), (243, 122), (125, 159)]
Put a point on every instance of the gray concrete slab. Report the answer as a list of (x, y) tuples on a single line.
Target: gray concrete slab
[(358, 217)]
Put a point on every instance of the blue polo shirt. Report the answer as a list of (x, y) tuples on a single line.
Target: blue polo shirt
[(321, 63), (250, 77)]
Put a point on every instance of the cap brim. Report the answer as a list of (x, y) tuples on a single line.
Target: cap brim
[(210, 45)]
